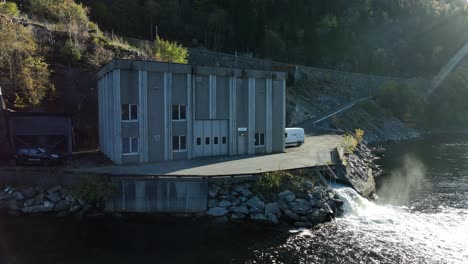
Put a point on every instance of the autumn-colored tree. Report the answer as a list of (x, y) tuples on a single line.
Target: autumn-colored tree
[(24, 74)]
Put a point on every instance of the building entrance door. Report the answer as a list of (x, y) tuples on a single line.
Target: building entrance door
[(210, 138), (242, 143)]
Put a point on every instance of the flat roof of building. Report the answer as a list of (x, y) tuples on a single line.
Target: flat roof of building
[(128, 64)]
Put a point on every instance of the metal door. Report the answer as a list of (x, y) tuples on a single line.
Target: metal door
[(224, 138), (216, 134), (241, 143), (207, 140), (198, 139)]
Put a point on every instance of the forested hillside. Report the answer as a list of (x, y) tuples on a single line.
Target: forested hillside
[(410, 38)]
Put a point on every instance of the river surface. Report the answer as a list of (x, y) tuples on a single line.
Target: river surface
[(421, 216)]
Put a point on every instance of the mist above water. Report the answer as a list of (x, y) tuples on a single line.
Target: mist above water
[(396, 187)]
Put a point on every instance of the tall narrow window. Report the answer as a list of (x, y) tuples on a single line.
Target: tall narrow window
[(179, 143), (129, 112), (259, 139), (129, 145), (179, 112)]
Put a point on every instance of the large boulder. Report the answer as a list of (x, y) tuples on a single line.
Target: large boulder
[(291, 215), (243, 190), (287, 196), (272, 208), (225, 204), (256, 204), (29, 192), (272, 218), (239, 209), (62, 206), (308, 184), (39, 199), (48, 204), (317, 216), (217, 211), (35, 209), (300, 206), (53, 197)]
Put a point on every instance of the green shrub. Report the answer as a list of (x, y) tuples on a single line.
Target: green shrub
[(93, 188), (71, 51), (349, 143), (9, 8), (271, 183)]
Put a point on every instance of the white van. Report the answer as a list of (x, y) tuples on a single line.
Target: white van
[(294, 136)]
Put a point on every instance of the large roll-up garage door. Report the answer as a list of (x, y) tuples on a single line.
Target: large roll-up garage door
[(211, 138)]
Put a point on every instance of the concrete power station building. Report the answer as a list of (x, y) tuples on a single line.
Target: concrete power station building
[(151, 111)]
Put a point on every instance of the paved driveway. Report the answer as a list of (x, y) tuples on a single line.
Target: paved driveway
[(316, 149)]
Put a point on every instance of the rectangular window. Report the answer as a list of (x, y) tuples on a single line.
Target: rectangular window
[(175, 143), (215, 141), (129, 112), (179, 112), (129, 145), (207, 141), (259, 139), (224, 140), (198, 141), (179, 143)]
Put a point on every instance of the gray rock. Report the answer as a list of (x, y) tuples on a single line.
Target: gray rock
[(317, 216), (326, 207), (62, 206), (259, 218), (69, 198), (212, 203), (300, 205), (29, 192), (290, 214), (304, 219), (272, 208), (272, 218), (54, 188), (243, 190), (224, 191), (317, 195), (35, 209), (39, 199), (225, 204), (256, 203), (237, 217), (243, 199), (18, 196), (28, 202), (217, 211), (53, 197), (48, 204), (312, 202), (255, 211), (283, 206), (239, 209), (287, 196), (308, 184), (213, 193), (303, 224), (237, 202), (300, 195), (231, 198)]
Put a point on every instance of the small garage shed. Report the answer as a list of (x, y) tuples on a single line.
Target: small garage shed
[(53, 131)]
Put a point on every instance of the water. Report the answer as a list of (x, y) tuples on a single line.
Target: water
[(420, 217)]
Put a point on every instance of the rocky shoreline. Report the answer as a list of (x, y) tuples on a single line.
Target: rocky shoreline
[(307, 206), (38, 200)]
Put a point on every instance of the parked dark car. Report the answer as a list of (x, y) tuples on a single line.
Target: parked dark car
[(37, 155)]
